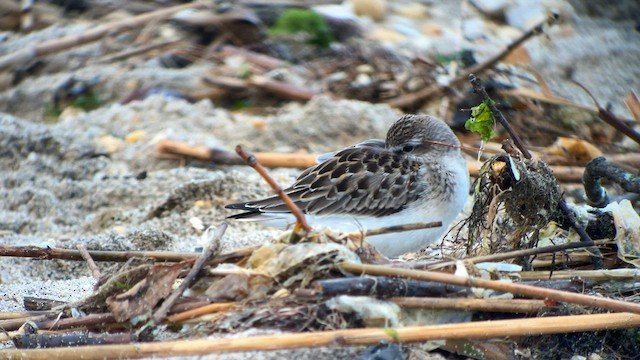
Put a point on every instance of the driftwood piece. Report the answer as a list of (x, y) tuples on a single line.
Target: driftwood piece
[(383, 287), (599, 168)]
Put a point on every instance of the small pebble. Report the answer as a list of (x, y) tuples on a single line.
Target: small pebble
[(375, 9)]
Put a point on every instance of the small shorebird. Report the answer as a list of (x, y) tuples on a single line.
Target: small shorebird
[(416, 175)]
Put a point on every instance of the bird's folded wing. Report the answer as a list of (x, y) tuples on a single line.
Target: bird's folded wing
[(360, 180)]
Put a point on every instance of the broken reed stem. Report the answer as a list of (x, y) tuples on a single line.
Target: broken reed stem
[(46, 253), (23, 314), (251, 160), (475, 330), (282, 89), (56, 45), (211, 251), (517, 289), (511, 254), (200, 311), (479, 89), (137, 51), (593, 275), (95, 271), (426, 93), (60, 324), (220, 156), (517, 306)]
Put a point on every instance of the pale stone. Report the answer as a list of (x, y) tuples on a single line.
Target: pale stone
[(412, 10), (375, 9), (525, 15), (388, 36), (494, 8)]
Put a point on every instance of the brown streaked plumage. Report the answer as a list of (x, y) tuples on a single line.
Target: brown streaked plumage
[(416, 169)]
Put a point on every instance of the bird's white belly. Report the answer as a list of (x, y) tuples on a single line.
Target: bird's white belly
[(392, 244)]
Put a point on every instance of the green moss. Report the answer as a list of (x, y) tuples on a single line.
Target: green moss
[(294, 21)]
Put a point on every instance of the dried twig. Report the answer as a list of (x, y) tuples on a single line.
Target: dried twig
[(56, 45), (95, 271), (428, 92), (397, 228), (210, 252), (608, 117), (46, 253), (562, 204), (518, 289), (295, 210), (477, 330)]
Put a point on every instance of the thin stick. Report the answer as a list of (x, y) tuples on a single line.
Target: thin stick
[(251, 160), (136, 51), (512, 254), (428, 92), (207, 255), (610, 118), (518, 289), (594, 275), (90, 35), (200, 311), (518, 306), (399, 228), (562, 204), (475, 330), (46, 253), (95, 271)]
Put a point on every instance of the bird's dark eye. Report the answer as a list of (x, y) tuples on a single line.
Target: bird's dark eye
[(408, 148)]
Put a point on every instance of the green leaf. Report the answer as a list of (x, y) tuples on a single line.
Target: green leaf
[(294, 21), (393, 333), (481, 121)]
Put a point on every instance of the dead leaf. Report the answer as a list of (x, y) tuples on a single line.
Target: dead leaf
[(633, 104), (518, 56), (574, 149), (236, 287), (627, 223), (144, 295)]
